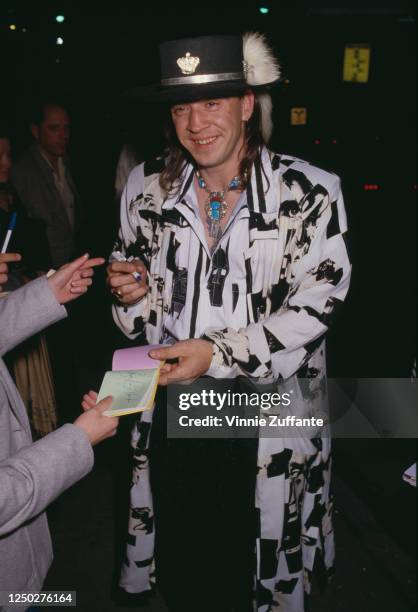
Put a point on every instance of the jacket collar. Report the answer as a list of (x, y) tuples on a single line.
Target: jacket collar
[(261, 194), (180, 195), (48, 171)]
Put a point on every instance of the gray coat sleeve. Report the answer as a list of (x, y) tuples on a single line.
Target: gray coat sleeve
[(37, 474), (26, 311)]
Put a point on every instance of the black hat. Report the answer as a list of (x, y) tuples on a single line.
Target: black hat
[(212, 66)]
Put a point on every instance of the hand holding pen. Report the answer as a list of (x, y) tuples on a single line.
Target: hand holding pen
[(12, 224), (6, 258), (127, 279)]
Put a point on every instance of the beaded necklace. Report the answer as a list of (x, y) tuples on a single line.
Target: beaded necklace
[(216, 206)]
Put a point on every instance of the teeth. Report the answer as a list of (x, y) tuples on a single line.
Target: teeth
[(207, 141)]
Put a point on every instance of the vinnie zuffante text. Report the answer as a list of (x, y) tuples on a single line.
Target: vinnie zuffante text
[(229, 399)]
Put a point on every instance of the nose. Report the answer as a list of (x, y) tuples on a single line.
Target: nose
[(196, 120)]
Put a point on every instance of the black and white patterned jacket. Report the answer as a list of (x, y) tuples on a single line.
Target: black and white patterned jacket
[(268, 294), (265, 298)]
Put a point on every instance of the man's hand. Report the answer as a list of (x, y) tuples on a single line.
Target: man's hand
[(73, 279), (6, 258), (194, 359), (123, 284), (97, 426)]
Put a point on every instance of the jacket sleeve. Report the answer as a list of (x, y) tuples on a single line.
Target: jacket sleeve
[(131, 319), (280, 344), (26, 311), (34, 476)]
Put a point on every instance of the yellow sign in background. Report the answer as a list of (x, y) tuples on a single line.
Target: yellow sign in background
[(298, 116), (356, 63)]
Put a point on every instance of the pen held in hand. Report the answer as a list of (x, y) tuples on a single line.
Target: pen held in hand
[(10, 229), (118, 256), (137, 276)]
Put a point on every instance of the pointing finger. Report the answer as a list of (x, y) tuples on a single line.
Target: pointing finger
[(91, 263)]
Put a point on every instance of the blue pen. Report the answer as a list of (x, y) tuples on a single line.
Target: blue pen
[(10, 229)]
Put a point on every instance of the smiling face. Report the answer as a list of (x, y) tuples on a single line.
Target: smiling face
[(5, 160), (213, 131)]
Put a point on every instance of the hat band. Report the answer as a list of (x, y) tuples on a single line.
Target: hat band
[(204, 78)]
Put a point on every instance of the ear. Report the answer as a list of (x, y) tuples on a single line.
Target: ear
[(34, 131), (247, 105)]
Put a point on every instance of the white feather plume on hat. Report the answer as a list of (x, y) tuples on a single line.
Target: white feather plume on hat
[(262, 68)]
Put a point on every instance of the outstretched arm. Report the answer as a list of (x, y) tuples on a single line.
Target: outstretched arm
[(37, 304)]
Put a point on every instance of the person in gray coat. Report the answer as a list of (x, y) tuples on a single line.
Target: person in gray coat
[(34, 474)]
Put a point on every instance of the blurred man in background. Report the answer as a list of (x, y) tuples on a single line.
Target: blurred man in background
[(44, 183)]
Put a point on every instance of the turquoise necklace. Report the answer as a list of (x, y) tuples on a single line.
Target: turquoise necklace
[(216, 206)]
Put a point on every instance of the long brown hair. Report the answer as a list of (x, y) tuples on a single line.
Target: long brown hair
[(177, 157)]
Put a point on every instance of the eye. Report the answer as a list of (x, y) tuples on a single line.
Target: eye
[(178, 111), (212, 104)]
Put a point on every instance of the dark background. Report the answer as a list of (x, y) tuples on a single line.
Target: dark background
[(363, 132)]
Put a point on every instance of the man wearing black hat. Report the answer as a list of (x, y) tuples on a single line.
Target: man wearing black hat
[(238, 260)]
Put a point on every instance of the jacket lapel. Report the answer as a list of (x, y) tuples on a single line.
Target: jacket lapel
[(179, 203), (262, 199)]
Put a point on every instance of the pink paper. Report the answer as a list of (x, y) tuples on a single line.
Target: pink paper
[(135, 358)]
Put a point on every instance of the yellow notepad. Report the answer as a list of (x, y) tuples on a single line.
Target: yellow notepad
[(132, 382), (132, 390)]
